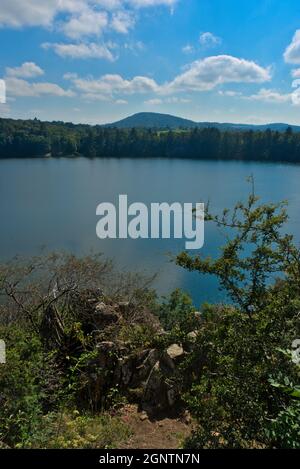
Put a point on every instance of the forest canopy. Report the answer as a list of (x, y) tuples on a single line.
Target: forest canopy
[(33, 138)]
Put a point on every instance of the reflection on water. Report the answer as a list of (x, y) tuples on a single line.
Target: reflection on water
[(52, 203)]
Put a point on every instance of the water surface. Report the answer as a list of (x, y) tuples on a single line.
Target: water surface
[(52, 203)]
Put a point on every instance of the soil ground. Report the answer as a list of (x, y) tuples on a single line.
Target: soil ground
[(162, 433)]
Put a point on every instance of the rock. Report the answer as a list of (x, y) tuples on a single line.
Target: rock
[(106, 315), (192, 336), (198, 316), (127, 369), (172, 397), (175, 351), (143, 416), (191, 341), (186, 418), (100, 306), (124, 306)]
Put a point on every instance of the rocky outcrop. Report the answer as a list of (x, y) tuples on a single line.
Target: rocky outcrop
[(146, 376)]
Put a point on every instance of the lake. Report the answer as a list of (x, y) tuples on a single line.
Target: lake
[(52, 203)]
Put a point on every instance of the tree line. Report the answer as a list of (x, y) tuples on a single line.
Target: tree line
[(33, 138)]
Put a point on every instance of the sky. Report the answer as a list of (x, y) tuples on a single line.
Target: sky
[(97, 61)]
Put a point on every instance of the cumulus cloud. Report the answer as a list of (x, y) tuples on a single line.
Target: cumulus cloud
[(292, 52), (270, 96), (188, 49), (296, 73), (19, 87), (135, 47), (208, 39), (229, 93), (26, 70), (14, 13), (201, 75), (206, 74), (87, 23), (172, 100), (122, 22), (82, 50), (30, 13), (151, 3), (273, 96), (153, 102), (115, 84)]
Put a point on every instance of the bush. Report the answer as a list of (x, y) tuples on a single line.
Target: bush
[(62, 430), (236, 351), (177, 311)]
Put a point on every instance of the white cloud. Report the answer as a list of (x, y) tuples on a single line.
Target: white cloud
[(151, 3), (117, 4), (296, 73), (16, 13), (270, 96), (70, 76), (19, 87), (172, 100), (206, 74), (154, 101), (122, 22), (110, 4), (4, 110), (230, 93), (31, 13), (121, 101), (201, 75), (296, 97), (135, 47), (209, 39), (2, 92), (292, 52), (115, 84), (87, 23), (82, 50), (26, 70), (176, 100), (188, 49), (91, 97)]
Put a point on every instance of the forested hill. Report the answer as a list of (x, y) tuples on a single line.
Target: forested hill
[(33, 138), (155, 120)]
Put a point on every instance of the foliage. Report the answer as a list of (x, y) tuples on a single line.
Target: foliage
[(53, 364), (78, 431), (236, 350), (34, 382), (33, 138), (177, 311), (284, 430)]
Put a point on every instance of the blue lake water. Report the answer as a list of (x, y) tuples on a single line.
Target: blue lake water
[(52, 203)]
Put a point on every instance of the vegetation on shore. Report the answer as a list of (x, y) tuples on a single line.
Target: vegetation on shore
[(235, 373), (33, 138)]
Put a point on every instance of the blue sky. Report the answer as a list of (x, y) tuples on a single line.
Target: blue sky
[(98, 61)]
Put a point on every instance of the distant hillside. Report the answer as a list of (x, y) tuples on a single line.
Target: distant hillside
[(166, 121), (153, 120)]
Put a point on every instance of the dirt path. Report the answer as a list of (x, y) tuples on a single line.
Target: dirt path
[(167, 433)]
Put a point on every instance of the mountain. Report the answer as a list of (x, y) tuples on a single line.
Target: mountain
[(153, 120), (166, 121)]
